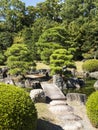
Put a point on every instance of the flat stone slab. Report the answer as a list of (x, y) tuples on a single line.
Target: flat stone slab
[(52, 91), (65, 114)]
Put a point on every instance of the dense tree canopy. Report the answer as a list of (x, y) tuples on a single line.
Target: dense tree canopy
[(12, 14), (51, 39), (50, 25)]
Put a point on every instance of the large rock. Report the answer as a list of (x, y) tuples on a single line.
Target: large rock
[(38, 95), (77, 97), (94, 74), (65, 114), (8, 81), (96, 85), (74, 83), (27, 84), (36, 85), (60, 107), (58, 80)]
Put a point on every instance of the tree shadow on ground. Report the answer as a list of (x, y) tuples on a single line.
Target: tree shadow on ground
[(46, 125)]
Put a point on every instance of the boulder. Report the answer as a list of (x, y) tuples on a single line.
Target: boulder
[(8, 81), (27, 84), (96, 85), (36, 85), (65, 114), (20, 84), (61, 109), (58, 80), (94, 74), (74, 83), (77, 97), (38, 95)]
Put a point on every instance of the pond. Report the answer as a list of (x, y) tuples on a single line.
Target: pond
[(87, 89)]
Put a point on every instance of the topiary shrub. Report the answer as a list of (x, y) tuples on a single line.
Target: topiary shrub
[(17, 111), (56, 70), (90, 65), (59, 59), (92, 108)]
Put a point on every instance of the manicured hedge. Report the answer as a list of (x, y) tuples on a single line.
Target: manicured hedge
[(90, 65), (17, 111), (92, 108)]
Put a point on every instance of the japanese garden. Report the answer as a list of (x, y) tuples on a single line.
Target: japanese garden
[(49, 65)]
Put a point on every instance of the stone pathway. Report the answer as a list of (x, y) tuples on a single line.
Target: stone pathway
[(52, 91), (68, 115), (52, 121), (80, 110), (65, 115)]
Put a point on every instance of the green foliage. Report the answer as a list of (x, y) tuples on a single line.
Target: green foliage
[(2, 59), (50, 10), (90, 65), (12, 14), (60, 58), (40, 25), (51, 25), (56, 70), (52, 39), (55, 34), (28, 40), (5, 40), (92, 108), (17, 111), (45, 54), (19, 59)]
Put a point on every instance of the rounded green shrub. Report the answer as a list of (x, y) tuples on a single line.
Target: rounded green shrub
[(17, 111), (92, 108), (90, 65)]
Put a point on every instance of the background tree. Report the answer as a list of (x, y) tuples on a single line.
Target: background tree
[(40, 25), (30, 16), (12, 13), (6, 40), (2, 58), (28, 40), (19, 59), (50, 25), (51, 39), (50, 10), (84, 15)]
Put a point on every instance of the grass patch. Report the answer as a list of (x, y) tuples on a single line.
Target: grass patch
[(79, 66), (44, 113), (40, 65)]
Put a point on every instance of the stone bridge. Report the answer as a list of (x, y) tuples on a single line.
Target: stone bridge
[(52, 91)]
